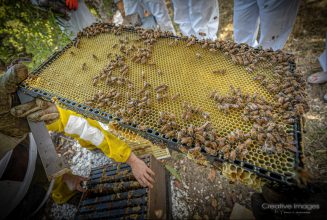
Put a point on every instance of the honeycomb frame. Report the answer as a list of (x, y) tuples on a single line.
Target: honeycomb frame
[(273, 167)]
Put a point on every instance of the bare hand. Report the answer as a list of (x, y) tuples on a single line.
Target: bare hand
[(142, 173), (73, 182)]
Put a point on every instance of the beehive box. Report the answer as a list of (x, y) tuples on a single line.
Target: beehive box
[(113, 193), (191, 69)]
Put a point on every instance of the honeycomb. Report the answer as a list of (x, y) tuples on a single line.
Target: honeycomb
[(238, 174), (139, 145), (180, 68)]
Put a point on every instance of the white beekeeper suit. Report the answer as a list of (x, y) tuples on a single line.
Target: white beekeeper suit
[(157, 8), (275, 17), (79, 19), (194, 16), (323, 57)]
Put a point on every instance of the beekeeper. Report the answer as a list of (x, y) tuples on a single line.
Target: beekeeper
[(14, 130), (157, 8), (197, 17), (274, 19), (72, 15)]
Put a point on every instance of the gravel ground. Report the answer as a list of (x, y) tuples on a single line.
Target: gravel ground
[(65, 211), (203, 192), (81, 161)]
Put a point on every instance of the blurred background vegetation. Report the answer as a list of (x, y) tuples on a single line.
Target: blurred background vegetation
[(28, 33), (31, 33)]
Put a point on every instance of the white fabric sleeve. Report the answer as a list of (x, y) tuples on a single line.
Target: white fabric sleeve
[(80, 126)]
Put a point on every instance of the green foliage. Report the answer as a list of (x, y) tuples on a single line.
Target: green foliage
[(29, 32), (174, 172)]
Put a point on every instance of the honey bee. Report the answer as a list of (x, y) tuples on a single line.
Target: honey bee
[(94, 57), (202, 34), (232, 137), (143, 75), (232, 155), (198, 55), (213, 50), (160, 97), (205, 44), (187, 140), (248, 142), (191, 41), (161, 88), (130, 86), (76, 42), (220, 71), (171, 43), (95, 80), (84, 66), (175, 97)]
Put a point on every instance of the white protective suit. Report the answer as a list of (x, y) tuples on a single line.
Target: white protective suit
[(323, 57), (194, 16), (275, 17), (79, 19), (157, 8)]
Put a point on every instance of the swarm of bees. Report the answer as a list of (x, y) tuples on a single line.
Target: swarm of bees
[(134, 109), (107, 73), (161, 92), (191, 111), (141, 55), (102, 99), (168, 125), (268, 118), (234, 100)]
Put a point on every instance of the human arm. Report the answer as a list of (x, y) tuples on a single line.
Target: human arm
[(142, 173), (91, 135)]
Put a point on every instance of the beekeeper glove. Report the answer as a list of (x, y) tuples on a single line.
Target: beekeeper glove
[(37, 110), (12, 130)]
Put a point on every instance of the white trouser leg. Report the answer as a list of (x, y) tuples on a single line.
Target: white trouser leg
[(79, 19), (323, 57), (159, 10), (277, 18), (246, 21), (182, 16), (204, 17), (132, 7)]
